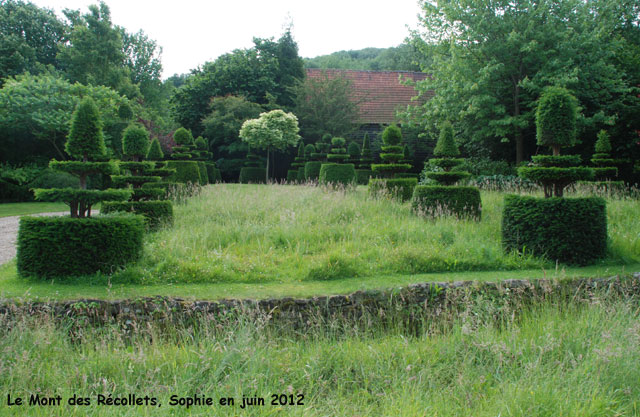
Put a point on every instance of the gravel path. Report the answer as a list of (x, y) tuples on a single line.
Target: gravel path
[(9, 232)]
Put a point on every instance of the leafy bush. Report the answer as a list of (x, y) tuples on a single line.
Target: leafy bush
[(571, 230), (446, 146), (312, 170), (156, 213), (155, 151), (202, 170), (183, 136), (363, 175), (58, 247), (213, 173), (292, 175), (487, 167), (300, 174), (556, 118), (436, 200), (135, 141), (253, 175), (337, 174), (398, 188), (186, 172), (509, 183)]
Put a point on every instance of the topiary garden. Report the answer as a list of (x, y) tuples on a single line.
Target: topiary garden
[(336, 171), (390, 184)]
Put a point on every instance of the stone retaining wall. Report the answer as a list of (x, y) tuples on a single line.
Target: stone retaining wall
[(417, 301)]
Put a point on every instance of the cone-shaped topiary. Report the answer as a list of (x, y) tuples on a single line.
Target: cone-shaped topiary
[(366, 156), (135, 141), (155, 151), (445, 169), (85, 140), (606, 169), (446, 146)]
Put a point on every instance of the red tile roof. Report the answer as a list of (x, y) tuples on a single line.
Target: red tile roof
[(379, 94)]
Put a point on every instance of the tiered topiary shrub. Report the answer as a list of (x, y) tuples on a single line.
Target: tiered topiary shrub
[(187, 169), (336, 171), (446, 198), (253, 171), (317, 158), (148, 201), (309, 150), (79, 244), (606, 167), (390, 184), (363, 173), (565, 230), (298, 164)]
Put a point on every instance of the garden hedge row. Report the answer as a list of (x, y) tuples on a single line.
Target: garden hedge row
[(254, 175), (400, 188), (344, 174), (51, 247), (292, 175), (156, 213), (363, 175), (312, 170), (213, 173), (570, 230), (436, 199), (202, 170)]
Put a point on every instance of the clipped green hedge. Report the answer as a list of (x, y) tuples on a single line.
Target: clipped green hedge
[(300, 174), (156, 213), (149, 193), (292, 175), (363, 175), (389, 169), (186, 172), (312, 170), (570, 230), (551, 174), (252, 175), (563, 161), (213, 173), (202, 169), (58, 247), (447, 177), (436, 200), (344, 174), (399, 188)]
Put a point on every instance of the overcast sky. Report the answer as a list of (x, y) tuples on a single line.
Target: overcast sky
[(192, 32)]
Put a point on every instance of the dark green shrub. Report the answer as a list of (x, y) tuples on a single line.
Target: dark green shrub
[(156, 213), (253, 175), (437, 200), (292, 175), (556, 118), (213, 173), (202, 170), (135, 141), (54, 179), (446, 146), (337, 174), (58, 247), (183, 136), (300, 174), (13, 193), (85, 138), (398, 188), (487, 167), (365, 157), (447, 178), (563, 161), (155, 151), (570, 230), (186, 172), (312, 170), (363, 175)]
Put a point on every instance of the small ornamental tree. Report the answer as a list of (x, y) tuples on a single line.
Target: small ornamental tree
[(85, 143), (445, 198), (272, 130), (572, 230), (606, 169), (556, 128), (391, 155)]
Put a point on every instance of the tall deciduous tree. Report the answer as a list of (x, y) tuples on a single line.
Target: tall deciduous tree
[(493, 59), (272, 130)]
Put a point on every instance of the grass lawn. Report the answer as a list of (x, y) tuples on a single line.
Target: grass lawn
[(267, 241), (19, 209), (552, 359)]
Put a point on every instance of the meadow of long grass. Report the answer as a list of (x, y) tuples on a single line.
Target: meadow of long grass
[(257, 233)]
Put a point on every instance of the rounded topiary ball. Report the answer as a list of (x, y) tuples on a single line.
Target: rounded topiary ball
[(201, 143), (182, 136), (392, 135), (135, 141), (338, 142)]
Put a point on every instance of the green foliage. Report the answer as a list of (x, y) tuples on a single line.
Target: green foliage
[(447, 177), (85, 135), (201, 143), (186, 172), (78, 168), (138, 167), (555, 179), (556, 118), (438, 200), (446, 163), (125, 112), (389, 169), (202, 170), (156, 213), (334, 174), (603, 144), (487, 167), (213, 173), (400, 58), (300, 174), (89, 197), (292, 175), (155, 151), (60, 247), (569, 230), (50, 178), (446, 145), (392, 135), (312, 170), (563, 161), (325, 105), (274, 129), (308, 151), (252, 175), (135, 141), (604, 173), (363, 175), (135, 180), (396, 188), (183, 136)]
